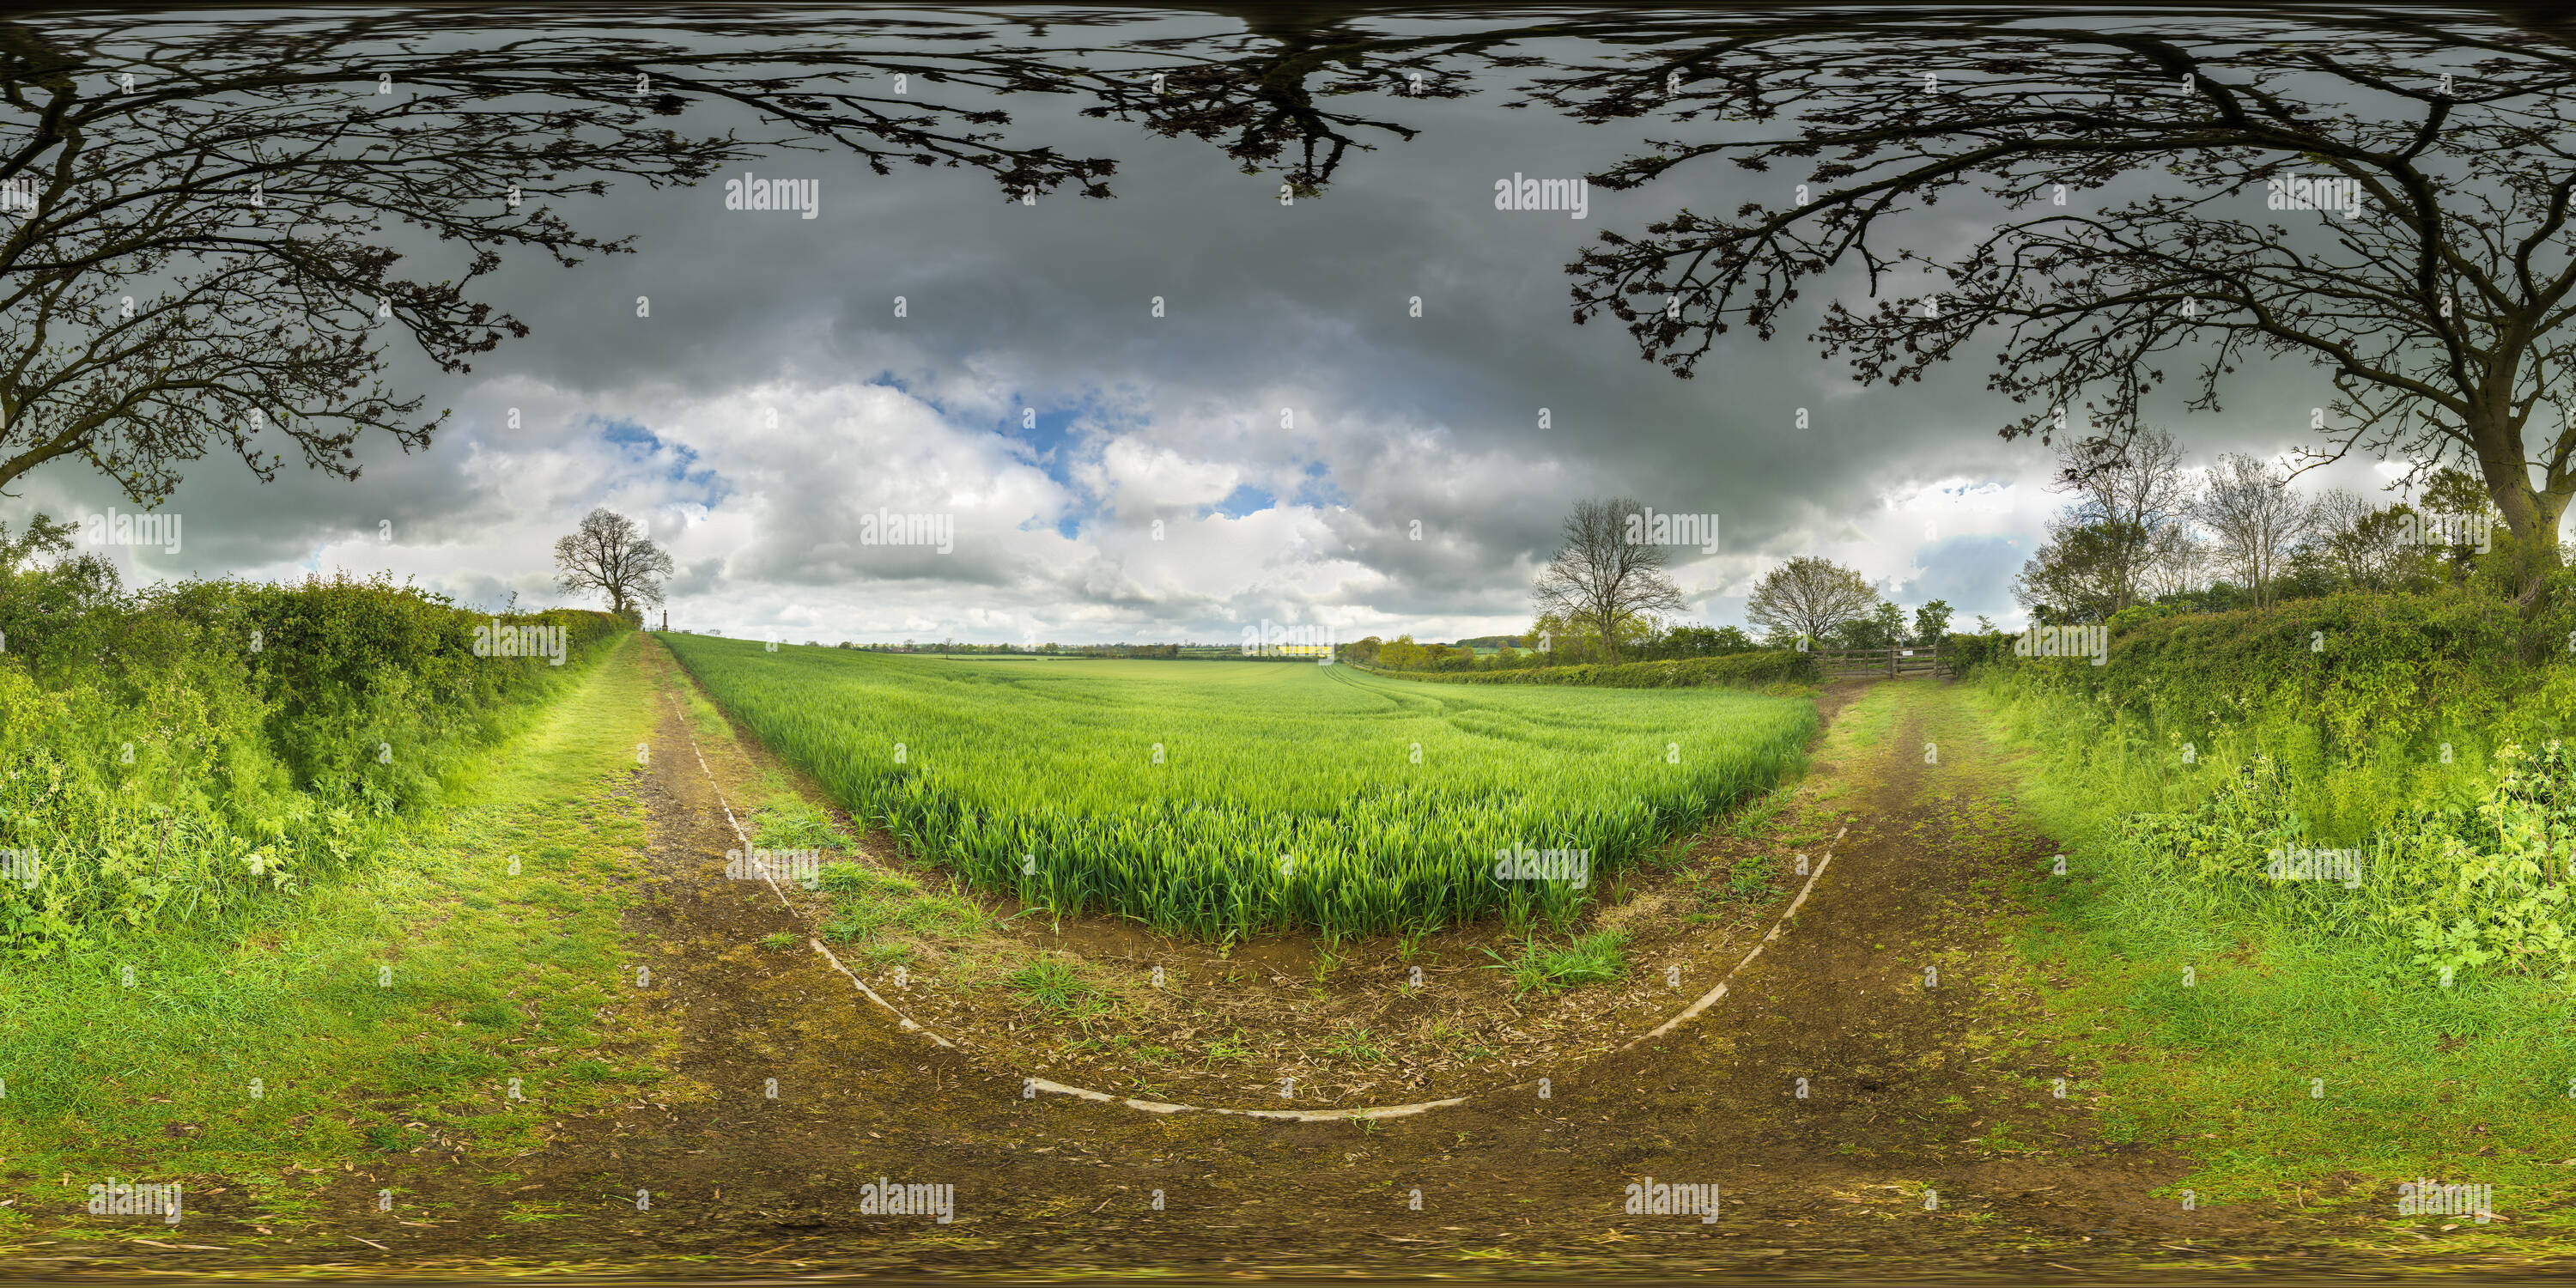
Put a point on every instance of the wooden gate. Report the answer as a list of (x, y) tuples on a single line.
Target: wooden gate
[(1890, 663)]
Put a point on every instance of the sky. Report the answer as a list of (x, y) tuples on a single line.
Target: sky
[(1361, 411)]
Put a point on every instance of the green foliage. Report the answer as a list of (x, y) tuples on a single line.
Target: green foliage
[(178, 752), (2467, 887), (1051, 985), (1751, 875), (1043, 783), (1882, 627), (2137, 615), (2217, 741), (2353, 667), (1697, 641), (1596, 958), (290, 990), (786, 822), (1772, 666), (1553, 641), (1963, 651)]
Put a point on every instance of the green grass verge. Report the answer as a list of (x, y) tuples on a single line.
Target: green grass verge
[(386, 1010), (2303, 1062)]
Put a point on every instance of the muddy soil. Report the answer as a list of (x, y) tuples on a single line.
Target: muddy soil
[(1929, 1143)]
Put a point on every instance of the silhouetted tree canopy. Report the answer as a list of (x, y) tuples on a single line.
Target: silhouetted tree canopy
[(2439, 309)]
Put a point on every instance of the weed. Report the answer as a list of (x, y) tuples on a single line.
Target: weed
[(1357, 1044), (1051, 984), (1589, 959)]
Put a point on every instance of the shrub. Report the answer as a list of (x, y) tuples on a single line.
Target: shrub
[(2391, 727), (1963, 651), (2356, 667), (171, 754), (1771, 666), (2480, 886)]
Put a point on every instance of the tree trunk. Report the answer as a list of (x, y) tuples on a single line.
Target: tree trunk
[(2536, 550), (2530, 514)]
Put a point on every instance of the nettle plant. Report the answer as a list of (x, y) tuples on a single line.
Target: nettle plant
[(2491, 886), (2482, 886)]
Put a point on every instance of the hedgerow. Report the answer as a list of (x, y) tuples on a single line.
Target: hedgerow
[(1774, 666), (2415, 737), (172, 754)]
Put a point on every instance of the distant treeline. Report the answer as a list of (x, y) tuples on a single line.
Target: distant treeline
[(1549, 645), (1768, 666)]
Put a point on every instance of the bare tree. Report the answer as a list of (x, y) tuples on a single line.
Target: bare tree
[(2131, 490), (1603, 579), (2102, 550), (2366, 544), (2255, 519), (1808, 597), (610, 555), (2428, 272), (2181, 555)]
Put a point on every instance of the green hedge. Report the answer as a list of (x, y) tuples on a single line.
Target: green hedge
[(171, 753), (2417, 736), (1773, 666), (2358, 668)]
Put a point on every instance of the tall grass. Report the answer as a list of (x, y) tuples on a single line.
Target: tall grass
[(498, 918), (1222, 801)]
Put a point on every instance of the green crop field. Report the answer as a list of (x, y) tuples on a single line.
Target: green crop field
[(1223, 800)]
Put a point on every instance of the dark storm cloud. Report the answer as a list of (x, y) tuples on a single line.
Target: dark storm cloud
[(1310, 447)]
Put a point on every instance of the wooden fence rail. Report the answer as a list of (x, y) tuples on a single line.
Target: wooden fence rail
[(1845, 663)]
